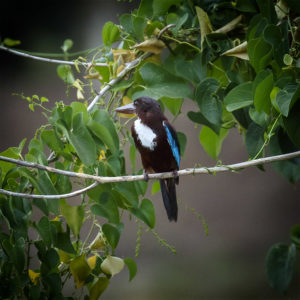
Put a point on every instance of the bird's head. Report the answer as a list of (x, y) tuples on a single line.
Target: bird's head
[(143, 107)]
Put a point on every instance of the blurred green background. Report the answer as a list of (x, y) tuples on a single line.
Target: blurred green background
[(246, 212)]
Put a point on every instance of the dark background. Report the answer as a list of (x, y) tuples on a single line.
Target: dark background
[(246, 212)]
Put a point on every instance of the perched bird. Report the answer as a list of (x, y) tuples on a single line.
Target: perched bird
[(157, 142)]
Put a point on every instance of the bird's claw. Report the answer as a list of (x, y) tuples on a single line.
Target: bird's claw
[(146, 176), (175, 173)]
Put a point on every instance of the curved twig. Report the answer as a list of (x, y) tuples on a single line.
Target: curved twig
[(51, 60), (109, 85), (101, 179), (61, 196)]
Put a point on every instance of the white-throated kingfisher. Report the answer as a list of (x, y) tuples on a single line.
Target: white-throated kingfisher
[(157, 142)]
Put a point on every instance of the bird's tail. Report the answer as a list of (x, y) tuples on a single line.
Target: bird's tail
[(168, 191)]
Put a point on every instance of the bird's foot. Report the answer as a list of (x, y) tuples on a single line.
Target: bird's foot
[(146, 176), (175, 173), (176, 177)]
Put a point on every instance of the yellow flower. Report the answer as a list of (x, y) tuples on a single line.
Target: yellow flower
[(102, 156), (34, 276)]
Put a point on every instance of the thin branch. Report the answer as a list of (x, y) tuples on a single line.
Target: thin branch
[(51, 197), (50, 60), (101, 179), (109, 85)]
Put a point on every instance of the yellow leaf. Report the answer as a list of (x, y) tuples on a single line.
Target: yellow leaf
[(80, 270), (239, 51), (155, 59), (34, 276), (126, 100), (126, 55), (92, 261), (205, 25), (112, 265), (64, 256), (120, 68), (281, 10), (152, 45), (98, 242)]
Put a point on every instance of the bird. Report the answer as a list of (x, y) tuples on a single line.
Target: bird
[(157, 141)]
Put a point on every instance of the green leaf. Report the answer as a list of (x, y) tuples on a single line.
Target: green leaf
[(63, 242), (103, 134), (245, 6), (254, 139), (82, 141), (193, 70), (139, 25), (295, 235), (110, 33), (155, 187), (79, 107), (280, 262), (277, 37), (267, 10), (260, 53), (182, 142), (260, 118), (280, 144), (160, 83), (112, 234), (102, 117), (132, 268), (132, 155), (63, 184), (68, 44), (107, 208), (197, 117), (173, 18), (65, 73), (50, 138), (262, 87), (5, 166), (15, 252), (44, 229), (286, 96), (292, 124), (239, 97), (211, 142), (209, 104), (74, 216), (145, 212), (173, 104), (161, 7), (98, 288), (46, 187), (80, 270), (128, 192), (134, 25), (145, 8)]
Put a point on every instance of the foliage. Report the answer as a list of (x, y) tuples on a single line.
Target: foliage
[(258, 94)]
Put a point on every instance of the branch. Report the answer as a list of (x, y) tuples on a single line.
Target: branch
[(61, 196), (108, 86), (101, 179), (50, 60)]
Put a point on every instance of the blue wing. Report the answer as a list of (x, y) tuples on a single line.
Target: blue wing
[(173, 141)]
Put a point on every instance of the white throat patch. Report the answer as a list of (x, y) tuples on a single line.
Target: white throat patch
[(145, 134)]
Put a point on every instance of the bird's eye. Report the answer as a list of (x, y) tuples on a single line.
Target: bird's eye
[(135, 102)]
